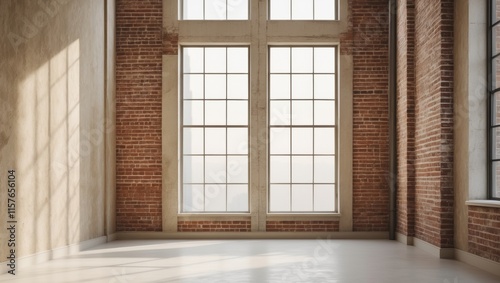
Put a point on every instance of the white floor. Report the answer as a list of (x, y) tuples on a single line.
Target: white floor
[(252, 261)]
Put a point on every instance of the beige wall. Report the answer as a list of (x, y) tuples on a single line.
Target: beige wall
[(53, 127), (470, 115), (461, 133), (110, 110)]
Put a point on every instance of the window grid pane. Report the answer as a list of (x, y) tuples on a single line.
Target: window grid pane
[(214, 131), (214, 9), (302, 128), (303, 10)]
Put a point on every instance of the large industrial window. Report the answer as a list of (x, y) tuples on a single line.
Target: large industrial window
[(302, 95), (214, 9), (260, 110), (494, 99), (215, 129), (303, 9)]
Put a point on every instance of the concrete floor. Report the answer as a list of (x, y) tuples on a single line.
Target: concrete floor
[(252, 261)]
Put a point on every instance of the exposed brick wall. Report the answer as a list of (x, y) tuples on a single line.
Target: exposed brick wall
[(138, 114), (302, 226), (140, 45), (406, 116), (214, 226), (434, 121), (370, 114), (484, 232)]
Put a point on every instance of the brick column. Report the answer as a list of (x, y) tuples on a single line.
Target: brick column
[(138, 115), (370, 25), (434, 122)]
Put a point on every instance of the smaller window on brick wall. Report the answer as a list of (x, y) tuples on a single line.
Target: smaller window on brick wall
[(494, 99)]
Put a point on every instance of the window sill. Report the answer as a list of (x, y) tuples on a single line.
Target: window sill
[(484, 203)]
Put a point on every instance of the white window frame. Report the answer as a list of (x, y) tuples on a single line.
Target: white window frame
[(251, 33), (204, 126), (314, 126), (314, 18), (228, 6)]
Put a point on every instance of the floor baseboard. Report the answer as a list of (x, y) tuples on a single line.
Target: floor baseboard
[(444, 253), (24, 263), (249, 235), (407, 240), (451, 253), (477, 261)]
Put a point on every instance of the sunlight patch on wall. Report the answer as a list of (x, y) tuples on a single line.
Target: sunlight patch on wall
[(48, 131)]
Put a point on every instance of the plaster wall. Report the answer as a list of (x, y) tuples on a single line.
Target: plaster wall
[(470, 114), (53, 125)]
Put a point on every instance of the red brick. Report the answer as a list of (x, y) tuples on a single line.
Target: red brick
[(367, 41), (214, 226), (138, 114), (484, 232), (433, 166), (302, 226)]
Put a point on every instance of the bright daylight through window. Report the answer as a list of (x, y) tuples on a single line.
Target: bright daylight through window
[(291, 116), (302, 129), (303, 9), (214, 9), (215, 129)]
